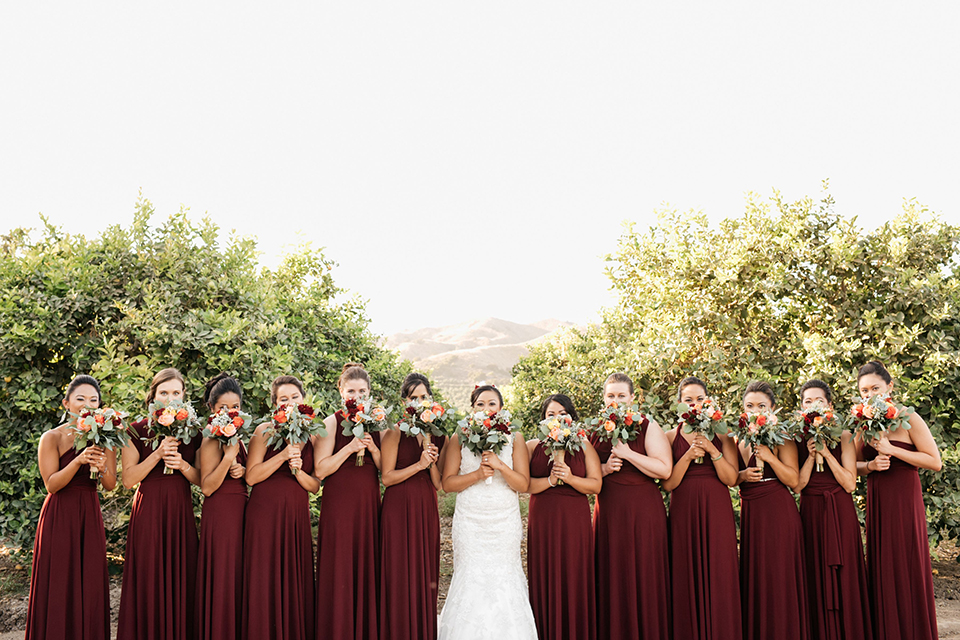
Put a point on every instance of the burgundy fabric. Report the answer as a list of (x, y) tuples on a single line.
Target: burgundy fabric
[(69, 588), (899, 575), (772, 570), (220, 559), (560, 555), (410, 552), (632, 552), (833, 553), (348, 548), (706, 589), (278, 588), (158, 599)]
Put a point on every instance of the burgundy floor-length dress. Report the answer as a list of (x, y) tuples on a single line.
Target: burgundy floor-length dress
[(220, 560), (158, 600), (833, 552), (560, 558), (632, 552), (348, 548), (278, 588), (410, 552), (70, 588), (899, 576), (772, 571), (706, 588)]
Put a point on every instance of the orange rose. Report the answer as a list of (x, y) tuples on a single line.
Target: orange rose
[(100, 419), (891, 412), (280, 417), (716, 416), (437, 409), (486, 423), (761, 420), (379, 414), (818, 421), (609, 425), (238, 422), (182, 414), (828, 416), (83, 426), (628, 419), (358, 418)]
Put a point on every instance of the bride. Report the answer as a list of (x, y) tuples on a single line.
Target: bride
[(488, 596)]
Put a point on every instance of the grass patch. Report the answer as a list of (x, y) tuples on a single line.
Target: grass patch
[(448, 504)]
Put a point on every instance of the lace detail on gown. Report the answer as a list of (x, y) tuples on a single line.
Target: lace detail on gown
[(488, 597)]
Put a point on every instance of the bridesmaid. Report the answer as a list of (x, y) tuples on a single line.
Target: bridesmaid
[(833, 550), (899, 575), (278, 582), (220, 572), (559, 535), (772, 587), (409, 529), (348, 539), (706, 591), (69, 587), (159, 573), (630, 522)]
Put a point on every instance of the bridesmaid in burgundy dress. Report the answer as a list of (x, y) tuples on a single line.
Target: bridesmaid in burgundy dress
[(69, 588), (899, 575), (220, 568), (409, 529), (833, 551), (772, 585), (560, 559), (158, 599), (278, 586), (630, 522), (706, 589), (348, 541)]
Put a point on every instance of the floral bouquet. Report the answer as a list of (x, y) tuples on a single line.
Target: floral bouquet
[(229, 426), (176, 419), (293, 424), (425, 417), (560, 435), (101, 427), (877, 414), (706, 419), (486, 431), (618, 422), (761, 428), (817, 423), (362, 416)]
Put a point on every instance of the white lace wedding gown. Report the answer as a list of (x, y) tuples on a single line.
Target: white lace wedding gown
[(488, 597)]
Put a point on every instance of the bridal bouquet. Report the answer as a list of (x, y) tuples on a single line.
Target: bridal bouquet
[(425, 417), (761, 428), (706, 419), (486, 431), (175, 419), (618, 422), (362, 416), (877, 414), (101, 427), (229, 426), (817, 423), (293, 424), (560, 435)]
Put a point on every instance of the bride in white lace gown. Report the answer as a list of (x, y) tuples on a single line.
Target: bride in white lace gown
[(488, 597)]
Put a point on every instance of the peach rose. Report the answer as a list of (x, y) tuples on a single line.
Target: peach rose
[(818, 421), (609, 425), (868, 410), (379, 414), (166, 419), (437, 409), (182, 414), (100, 419), (428, 416), (229, 430)]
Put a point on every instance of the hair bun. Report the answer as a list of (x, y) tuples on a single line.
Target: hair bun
[(351, 365)]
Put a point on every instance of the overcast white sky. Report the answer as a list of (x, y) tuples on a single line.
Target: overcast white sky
[(489, 134)]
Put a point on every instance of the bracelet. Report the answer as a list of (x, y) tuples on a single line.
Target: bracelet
[(718, 457), (548, 482)]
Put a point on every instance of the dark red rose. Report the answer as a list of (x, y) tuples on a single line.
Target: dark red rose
[(411, 411), (502, 428), (117, 421), (613, 417), (305, 409), (685, 417), (232, 414)]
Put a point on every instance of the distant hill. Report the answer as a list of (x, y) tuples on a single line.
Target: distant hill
[(459, 356)]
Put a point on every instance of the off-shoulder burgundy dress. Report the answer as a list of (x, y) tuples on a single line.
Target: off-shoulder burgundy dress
[(703, 536), (632, 552), (158, 600), (833, 552), (278, 589), (560, 558), (69, 588), (410, 551), (220, 560), (899, 575), (772, 576), (348, 548)]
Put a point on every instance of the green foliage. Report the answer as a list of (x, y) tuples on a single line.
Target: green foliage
[(785, 292), (139, 298)]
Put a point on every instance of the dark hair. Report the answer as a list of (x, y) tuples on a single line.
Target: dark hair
[(166, 375), (353, 371), (80, 381), (876, 368), (618, 376), (817, 384), (218, 386), (279, 381), (761, 386), (688, 381), (563, 401), (411, 382), (485, 387)]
